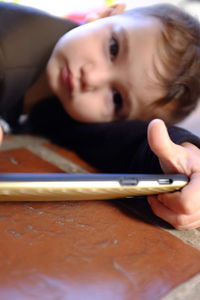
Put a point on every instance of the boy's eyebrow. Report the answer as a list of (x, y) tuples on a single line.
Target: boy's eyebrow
[(125, 41)]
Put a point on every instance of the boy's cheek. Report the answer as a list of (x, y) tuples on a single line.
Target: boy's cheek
[(52, 76)]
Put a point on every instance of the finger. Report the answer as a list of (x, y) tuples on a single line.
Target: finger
[(171, 201), (105, 12), (118, 8), (160, 210), (185, 201), (96, 15), (179, 221), (92, 16), (192, 225), (99, 14), (172, 157), (1, 134)]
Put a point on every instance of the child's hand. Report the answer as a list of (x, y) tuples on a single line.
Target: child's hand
[(181, 209), (105, 12)]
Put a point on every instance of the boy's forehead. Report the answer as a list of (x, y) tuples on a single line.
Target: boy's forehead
[(140, 23), (131, 24)]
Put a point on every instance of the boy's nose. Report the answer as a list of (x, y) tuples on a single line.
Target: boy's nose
[(93, 77)]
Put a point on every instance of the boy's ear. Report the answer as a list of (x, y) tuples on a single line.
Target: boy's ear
[(105, 12)]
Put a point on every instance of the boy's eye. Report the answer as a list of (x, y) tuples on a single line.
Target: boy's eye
[(118, 101), (113, 47)]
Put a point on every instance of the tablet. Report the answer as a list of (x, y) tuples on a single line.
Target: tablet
[(63, 187)]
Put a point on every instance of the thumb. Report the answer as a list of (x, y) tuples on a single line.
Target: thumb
[(168, 153)]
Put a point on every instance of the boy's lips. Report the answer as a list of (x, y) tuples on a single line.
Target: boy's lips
[(67, 79)]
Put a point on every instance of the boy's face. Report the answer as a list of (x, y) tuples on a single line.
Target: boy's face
[(105, 70)]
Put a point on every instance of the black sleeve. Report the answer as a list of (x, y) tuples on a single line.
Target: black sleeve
[(27, 38), (110, 147)]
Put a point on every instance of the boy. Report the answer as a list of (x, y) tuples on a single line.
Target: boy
[(109, 84), (139, 64)]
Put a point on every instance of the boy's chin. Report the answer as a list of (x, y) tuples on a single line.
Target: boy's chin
[(78, 117)]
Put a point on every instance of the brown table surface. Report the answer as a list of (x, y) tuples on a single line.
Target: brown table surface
[(89, 250)]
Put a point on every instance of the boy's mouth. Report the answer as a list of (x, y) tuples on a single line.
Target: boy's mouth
[(67, 79)]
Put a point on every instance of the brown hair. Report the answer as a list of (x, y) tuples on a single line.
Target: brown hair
[(180, 57)]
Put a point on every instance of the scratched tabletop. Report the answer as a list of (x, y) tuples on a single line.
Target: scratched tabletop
[(102, 250)]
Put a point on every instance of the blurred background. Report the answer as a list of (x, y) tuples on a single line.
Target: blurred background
[(78, 8), (64, 7)]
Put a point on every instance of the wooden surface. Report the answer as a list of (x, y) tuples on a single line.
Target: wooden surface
[(90, 250)]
